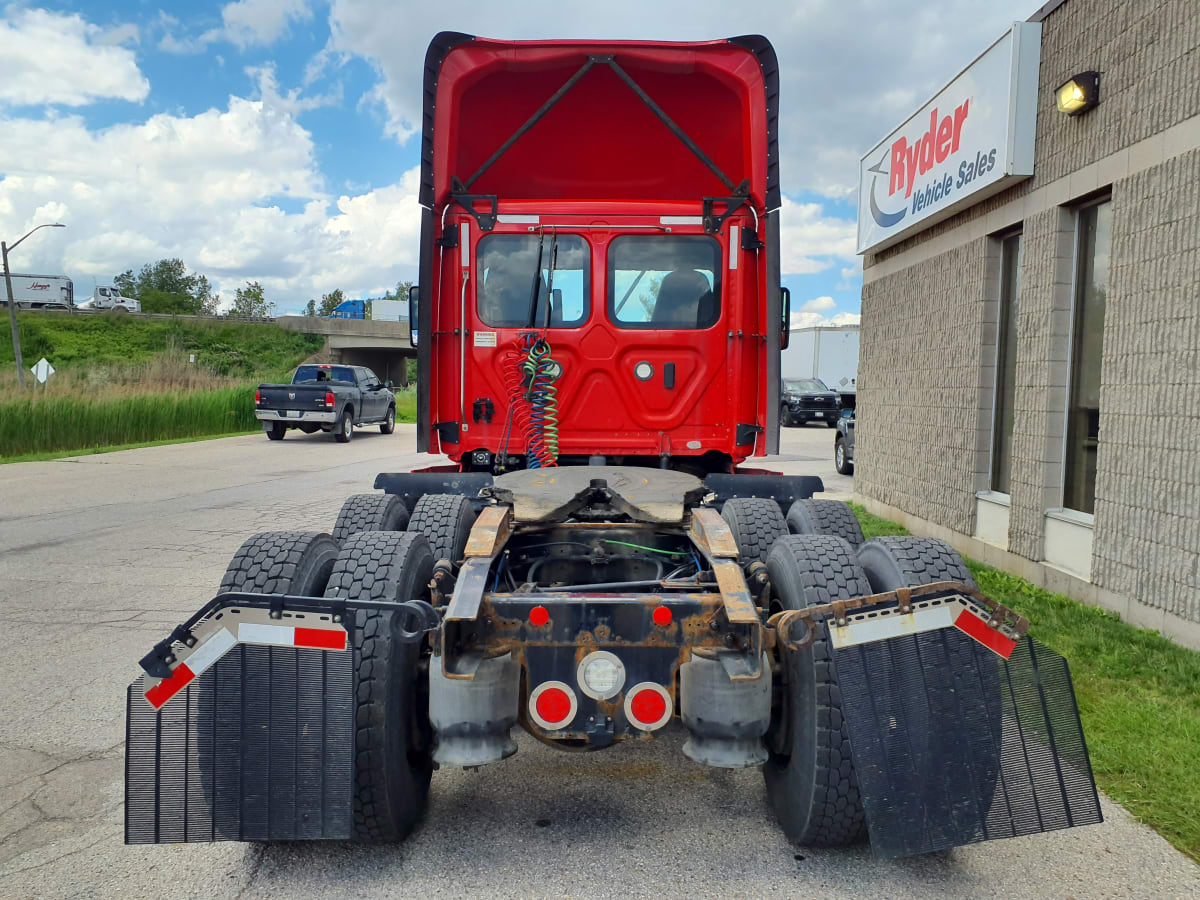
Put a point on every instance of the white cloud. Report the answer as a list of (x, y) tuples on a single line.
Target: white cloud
[(812, 319), (244, 23), (849, 70), (236, 193), (819, 305), (811, 241), (58, 58), (290, 101), (249, 22)]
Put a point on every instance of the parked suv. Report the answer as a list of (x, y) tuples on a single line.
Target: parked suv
[(843, 444), (808, 400)]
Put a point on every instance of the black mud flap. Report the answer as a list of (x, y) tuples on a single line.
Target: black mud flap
[(953, 744), (258, 747)]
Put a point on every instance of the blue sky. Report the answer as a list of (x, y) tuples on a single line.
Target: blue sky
[(274, 140)]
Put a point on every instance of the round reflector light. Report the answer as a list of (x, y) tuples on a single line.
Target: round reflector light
[(662, 616), (648, 706), (553, 705), (539, 616), (601, 675)]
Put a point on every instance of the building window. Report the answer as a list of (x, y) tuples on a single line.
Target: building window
[(1087, 345), (1006, 361)]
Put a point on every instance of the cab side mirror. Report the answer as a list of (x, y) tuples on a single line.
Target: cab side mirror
[(388, 385), (785, 335), (414, 318)]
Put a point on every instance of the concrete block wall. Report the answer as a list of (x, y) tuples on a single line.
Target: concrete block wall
[(918, 386), (1147, 538)]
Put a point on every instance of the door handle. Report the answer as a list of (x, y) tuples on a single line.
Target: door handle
[(669, 375)]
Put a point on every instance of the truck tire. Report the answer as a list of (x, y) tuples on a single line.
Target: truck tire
[(843, 465), (345, 427), (825, 517), (370, 512), (809, 774), (896, 562), (282, 562), (393, 739), (785, 418), (389, 421), (756, 523), (832, 423), (275, 431), (445, 519)]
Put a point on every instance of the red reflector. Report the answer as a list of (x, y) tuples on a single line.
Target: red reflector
[(329, 399), (553, 705), (170, 686), (539, 616), (648, 707), (661, 616), (322, 638), (974, 627)]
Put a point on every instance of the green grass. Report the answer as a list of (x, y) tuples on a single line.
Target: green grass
[(39, 425), (238, 349), (1138, 695), (47, 428)]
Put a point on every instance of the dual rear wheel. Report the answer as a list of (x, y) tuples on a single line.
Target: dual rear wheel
[(393, 737), (815, 555)]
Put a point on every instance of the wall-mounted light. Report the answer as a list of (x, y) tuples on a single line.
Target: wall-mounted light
[(1079, 94)]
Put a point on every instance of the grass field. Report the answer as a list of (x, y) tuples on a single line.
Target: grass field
[(122, 348), (1138, 695), (45, 428), (123, 380)]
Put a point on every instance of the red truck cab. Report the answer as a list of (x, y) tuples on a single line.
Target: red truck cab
[(619, 201)]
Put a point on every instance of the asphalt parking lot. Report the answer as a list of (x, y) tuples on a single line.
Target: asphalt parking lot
[(101, 555)]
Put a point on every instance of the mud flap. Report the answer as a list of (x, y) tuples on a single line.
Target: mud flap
[(954, 744), (257, 747)]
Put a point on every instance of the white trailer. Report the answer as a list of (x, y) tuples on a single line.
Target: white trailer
[(389, 310), (40, 292), (827, 352)]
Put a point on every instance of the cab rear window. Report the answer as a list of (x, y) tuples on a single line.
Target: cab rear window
[(508, 267), (314, 374), (664, 281)]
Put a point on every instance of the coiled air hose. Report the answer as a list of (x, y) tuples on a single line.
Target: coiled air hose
[(539, 372), (529, 373)]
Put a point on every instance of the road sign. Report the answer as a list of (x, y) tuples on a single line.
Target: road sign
[(43, 370)]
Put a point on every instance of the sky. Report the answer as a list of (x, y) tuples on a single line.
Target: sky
[(277, 140)]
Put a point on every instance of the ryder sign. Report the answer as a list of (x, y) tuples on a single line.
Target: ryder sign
[(973, 139)]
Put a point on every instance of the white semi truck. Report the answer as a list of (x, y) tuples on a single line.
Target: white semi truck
[(58, 292), (40, 292)]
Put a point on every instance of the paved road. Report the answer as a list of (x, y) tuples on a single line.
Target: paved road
[(100, 555)]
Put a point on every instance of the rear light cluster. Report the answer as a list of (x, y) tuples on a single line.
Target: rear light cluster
[(329, 399), (601, 676), (257, 396)]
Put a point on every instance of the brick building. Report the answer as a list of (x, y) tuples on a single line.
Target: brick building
[(1029, 378)]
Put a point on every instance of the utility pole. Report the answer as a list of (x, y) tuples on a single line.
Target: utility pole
[(12, 304)]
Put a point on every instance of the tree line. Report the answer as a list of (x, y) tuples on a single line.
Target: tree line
[(167, 286)]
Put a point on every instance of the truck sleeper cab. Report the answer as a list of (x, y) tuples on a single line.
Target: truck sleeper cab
[(628, 228)]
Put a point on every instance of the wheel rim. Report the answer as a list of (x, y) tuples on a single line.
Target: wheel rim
[(391, 418), (841, 456), (346, 425)]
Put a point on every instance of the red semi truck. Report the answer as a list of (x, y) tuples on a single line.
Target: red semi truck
[(598, 326)]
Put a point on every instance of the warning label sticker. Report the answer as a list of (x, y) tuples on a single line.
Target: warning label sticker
[(485, 339)]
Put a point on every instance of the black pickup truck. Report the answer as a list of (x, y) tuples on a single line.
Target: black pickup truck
[(326, 398)]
